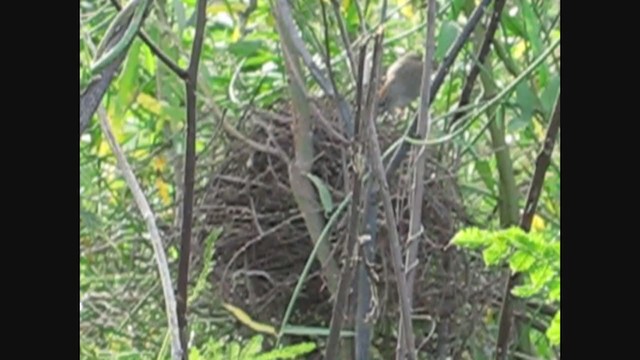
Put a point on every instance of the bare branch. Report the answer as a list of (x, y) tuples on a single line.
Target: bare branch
[(154, 234), (190, 163)]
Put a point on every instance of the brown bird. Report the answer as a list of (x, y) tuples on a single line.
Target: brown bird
[(402, 83)]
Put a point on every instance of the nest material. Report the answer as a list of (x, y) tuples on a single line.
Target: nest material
[(265, 243)]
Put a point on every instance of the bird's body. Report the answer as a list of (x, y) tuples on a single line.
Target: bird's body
[(402, 83)]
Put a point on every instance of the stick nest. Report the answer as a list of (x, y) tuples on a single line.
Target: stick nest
[(265, 244)]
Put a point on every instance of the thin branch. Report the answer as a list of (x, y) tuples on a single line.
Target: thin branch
[(345, 37), (542, 163), (303, 191), (417, 188), (375, 157), (255, 145), (92, 95), (190, 163), (350, 261), (482, 56), (154, 234)]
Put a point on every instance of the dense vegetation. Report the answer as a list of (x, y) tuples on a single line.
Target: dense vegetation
[(257, 123)]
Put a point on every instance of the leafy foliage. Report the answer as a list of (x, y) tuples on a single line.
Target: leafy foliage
[(536, 255), (122, 311), (251, 350)]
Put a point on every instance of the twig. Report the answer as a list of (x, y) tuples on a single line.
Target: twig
[(417, 188), (154, 234), (190, 162), (257, 146), (346, 276), (303, 191), (375, 157), (344, 36), (482, 56), (542, 163)]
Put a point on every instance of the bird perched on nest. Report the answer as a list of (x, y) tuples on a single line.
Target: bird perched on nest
[(402, 83)]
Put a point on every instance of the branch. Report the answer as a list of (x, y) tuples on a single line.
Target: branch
[(156, 242), (303, 191), (190, 162), (394, 241), (350, 259), (482, 56), (92, 95), (417, 188)]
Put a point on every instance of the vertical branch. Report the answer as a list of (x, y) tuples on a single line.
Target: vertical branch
[(189, 173), (375, 157), (345, 37), (542, 164), (417, 188), (154, 234), (350, 259), (301, 187), (482, 55)]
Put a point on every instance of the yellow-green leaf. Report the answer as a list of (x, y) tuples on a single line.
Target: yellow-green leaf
[(244, 318)]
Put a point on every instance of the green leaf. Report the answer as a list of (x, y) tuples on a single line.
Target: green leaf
[(534, 35), (323, 191), (529, 242), (178, 11), (472, 238), (127, 82), (194, 354), (312, 331), (532, 26), (484, 169), (352, 20), (233, 351), (554, 289), (289, 352), (497, 251), (149, 60), (207, 267), (524, 291), (521, 261), (246, 48), (526, 100), (541, 275), (252, 348), (456, 7), (550, 93), (513, 24), (448, 33), (553, 332)]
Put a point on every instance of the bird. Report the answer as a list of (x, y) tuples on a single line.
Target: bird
[(402, 83)]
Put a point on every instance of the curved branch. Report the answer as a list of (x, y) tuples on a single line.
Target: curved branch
[(154, 234)]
